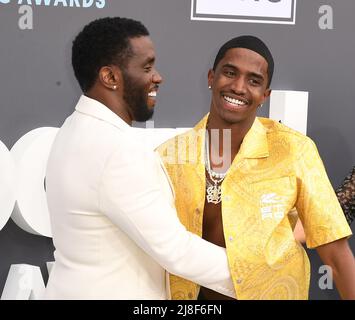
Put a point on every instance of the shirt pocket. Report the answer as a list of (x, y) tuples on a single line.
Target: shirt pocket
[(274, 197)]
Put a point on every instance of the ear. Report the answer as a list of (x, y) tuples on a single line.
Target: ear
[(267, 94), (210, 77), (110, 77)]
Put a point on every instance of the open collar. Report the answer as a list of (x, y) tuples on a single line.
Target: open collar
[(254, 144)]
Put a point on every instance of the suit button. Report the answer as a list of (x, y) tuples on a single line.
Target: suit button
[(227, 198), (239, 281), (197, 211), (231, 239)]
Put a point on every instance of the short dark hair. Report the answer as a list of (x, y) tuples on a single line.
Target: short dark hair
[(103, 42), (251, 43)]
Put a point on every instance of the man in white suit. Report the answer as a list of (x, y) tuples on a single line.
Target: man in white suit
[(114, 224)]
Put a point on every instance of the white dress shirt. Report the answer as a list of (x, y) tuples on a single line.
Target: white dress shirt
[(114, 224)]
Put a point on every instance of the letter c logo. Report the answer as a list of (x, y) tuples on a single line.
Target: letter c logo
[(7, 185), (22, 172)]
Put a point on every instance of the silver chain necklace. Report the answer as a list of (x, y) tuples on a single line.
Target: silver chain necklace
[(213, 191)]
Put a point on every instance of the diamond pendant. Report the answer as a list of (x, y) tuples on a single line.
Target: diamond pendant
[(214, 194)]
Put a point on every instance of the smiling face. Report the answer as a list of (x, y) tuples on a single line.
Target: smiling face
[(239, 85), (141, 80)]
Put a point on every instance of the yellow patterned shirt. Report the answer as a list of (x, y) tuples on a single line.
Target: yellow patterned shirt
[(276, 169)]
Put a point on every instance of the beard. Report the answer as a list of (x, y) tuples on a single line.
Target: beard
[(136, 98)]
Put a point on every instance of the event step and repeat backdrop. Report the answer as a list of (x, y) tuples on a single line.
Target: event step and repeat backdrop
[(313, 47)]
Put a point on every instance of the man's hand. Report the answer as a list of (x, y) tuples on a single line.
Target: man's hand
[(298, 232)]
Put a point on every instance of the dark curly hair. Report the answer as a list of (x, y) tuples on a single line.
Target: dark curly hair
[(103, 42), (251, 43)]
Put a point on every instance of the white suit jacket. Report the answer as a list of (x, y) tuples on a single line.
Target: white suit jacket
[(115, 228)]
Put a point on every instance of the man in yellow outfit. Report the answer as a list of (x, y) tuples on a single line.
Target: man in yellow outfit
[(237, 178)]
